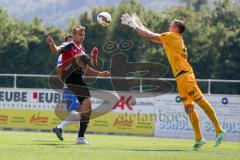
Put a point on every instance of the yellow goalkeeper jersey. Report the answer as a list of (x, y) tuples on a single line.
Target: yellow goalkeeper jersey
[(176, 52)]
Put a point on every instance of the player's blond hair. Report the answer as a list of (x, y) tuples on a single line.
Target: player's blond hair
[(78, 28)]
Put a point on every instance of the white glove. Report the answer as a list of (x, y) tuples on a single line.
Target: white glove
[(127, 20), (137, 20)]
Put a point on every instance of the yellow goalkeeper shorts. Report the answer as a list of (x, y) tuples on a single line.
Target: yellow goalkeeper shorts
[(188, 89)]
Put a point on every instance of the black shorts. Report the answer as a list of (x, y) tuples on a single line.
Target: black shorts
[(73, 78)]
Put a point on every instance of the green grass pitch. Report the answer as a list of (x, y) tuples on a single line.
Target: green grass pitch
[(45, 146)]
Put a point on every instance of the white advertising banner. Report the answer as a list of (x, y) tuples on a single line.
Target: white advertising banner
[(172, 121)]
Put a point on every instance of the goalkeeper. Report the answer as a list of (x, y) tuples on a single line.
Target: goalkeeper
[(188, 89)]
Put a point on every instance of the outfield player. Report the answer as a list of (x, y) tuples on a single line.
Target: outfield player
[(188, 89), (71, 102), (69, 98), (75, 63)]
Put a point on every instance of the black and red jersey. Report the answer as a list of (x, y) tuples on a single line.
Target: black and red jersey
[(69, 50)]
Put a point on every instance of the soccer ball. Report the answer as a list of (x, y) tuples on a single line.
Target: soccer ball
[(104, 19)]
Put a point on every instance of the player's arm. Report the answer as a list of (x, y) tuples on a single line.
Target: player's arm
[(88, 71), (147, 34), (136, 24), (54, 48)]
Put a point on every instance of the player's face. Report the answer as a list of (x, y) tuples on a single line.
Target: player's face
[(79, 36), (173, 28)]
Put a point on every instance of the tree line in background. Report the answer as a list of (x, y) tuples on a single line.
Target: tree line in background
[(212, 38)]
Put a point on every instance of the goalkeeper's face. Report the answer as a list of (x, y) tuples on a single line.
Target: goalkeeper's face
[(173, 28), (177, 26)]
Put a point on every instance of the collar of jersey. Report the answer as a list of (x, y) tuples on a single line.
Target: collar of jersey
[(77, 45), (176, 34)]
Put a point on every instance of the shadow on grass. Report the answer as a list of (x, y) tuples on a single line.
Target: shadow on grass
[(46, 144), (55, 143), (59, 144), (157, 150), (43, 141), (141, 150)]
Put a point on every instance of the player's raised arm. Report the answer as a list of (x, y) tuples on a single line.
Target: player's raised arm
[(136, 24), (54, 48)]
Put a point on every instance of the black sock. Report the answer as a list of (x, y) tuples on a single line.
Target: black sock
[(83, 123)]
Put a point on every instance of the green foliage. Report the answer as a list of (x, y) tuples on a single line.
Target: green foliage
[(23, 47), (195, 4), (212, 38)]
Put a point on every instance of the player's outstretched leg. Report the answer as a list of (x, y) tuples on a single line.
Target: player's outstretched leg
[(84, 59), (208, 109)]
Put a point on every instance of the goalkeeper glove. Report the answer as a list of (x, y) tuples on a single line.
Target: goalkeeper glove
[(127, 20)]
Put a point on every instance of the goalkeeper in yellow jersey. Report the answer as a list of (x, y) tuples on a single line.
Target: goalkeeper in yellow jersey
[(188, 89)]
